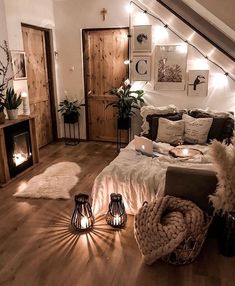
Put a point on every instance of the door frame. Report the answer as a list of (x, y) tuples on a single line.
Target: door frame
[(50, 72), (84, 33)]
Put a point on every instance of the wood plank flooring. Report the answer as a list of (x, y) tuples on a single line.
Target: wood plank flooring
[(37, 247)]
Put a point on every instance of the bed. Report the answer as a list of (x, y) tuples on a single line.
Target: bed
[(141, 178)]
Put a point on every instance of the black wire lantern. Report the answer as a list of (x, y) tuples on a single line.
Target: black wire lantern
[(116, 215), (82, 218)]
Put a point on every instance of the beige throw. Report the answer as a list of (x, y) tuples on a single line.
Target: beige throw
[(162, 225)]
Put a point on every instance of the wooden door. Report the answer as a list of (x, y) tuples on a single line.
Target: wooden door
[(37, 77), (104, 54)]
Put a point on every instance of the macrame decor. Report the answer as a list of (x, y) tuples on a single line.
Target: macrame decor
[(116, 215)]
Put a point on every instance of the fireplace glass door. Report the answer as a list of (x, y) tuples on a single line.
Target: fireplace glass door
[(21, 152), (18, 146)]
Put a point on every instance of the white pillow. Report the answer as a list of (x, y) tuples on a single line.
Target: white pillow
[(169, 131), (196, 129)]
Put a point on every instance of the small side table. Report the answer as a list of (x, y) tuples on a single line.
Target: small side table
[(123, 127)]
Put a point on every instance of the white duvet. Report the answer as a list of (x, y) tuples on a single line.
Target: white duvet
[(139, 178)]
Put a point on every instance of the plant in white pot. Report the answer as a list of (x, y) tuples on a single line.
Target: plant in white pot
[(12, 102), (223, 200)]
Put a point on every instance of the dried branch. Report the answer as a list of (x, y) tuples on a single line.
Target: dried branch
[(4, 68)]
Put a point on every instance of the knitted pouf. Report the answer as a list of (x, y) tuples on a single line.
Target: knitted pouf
[(162, 225)]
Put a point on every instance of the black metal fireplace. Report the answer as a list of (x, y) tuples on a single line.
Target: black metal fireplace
[(18, 147)]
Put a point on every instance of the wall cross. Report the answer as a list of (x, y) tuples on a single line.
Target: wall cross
[(103, 12)]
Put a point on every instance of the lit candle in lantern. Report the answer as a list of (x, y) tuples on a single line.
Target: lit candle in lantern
[(116, 215), (117, 220), (82, 218), (84, 222), (24, 96)]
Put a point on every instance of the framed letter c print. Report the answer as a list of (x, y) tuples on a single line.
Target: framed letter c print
[(141, 68)]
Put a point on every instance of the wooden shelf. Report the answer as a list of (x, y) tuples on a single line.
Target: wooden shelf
[(4, 169)]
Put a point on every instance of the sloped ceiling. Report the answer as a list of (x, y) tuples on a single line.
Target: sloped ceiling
[(205, 23), (224, 10), (186, 32)]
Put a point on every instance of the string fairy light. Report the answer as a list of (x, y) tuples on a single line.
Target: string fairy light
[(181, 38)]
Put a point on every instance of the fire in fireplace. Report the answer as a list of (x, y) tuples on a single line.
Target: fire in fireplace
[(18, 147), (21, 152)]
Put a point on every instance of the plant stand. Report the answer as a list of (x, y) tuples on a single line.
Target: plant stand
[(123, 126), (72, 133)]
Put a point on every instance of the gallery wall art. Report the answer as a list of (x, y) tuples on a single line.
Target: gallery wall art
[(142, 38), (170, 67), (198, 82), (141, 68), (19, 65)]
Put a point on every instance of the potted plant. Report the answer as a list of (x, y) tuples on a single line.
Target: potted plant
[(70, 110), (4, 79), (11, 102), (223, 200), (127, 101)]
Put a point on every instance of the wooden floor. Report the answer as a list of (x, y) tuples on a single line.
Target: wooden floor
[(37, 247)]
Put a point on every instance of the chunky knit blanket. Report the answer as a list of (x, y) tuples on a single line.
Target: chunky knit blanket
[(162, 225)]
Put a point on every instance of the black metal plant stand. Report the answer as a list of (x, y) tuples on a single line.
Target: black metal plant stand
[(71, 137), (123, 125)]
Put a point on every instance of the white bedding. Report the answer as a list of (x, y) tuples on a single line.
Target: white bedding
[(140, 178)]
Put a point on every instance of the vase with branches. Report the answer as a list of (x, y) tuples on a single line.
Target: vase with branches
[(4, 76), (223, 200)]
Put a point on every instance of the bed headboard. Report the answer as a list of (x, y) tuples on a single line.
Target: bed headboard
[(221, 129)]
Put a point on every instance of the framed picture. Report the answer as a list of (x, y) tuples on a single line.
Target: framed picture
[(170, 67), (19, 65), (142, 38), (141, 68), (198, 82)]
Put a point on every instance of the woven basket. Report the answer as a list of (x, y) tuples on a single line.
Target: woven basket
[(189, 249)]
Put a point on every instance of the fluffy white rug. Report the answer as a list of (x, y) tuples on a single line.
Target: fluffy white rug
[(54, 183)]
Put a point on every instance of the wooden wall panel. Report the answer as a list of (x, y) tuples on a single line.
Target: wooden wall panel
[(39, 99), (105, 52)]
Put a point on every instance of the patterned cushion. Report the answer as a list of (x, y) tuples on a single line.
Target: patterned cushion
[(222, 126), (170, 131), (196, 129), (153, 122)]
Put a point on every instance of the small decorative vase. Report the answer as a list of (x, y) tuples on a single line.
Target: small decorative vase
[(12, 113), (2, 117), (227, 234)]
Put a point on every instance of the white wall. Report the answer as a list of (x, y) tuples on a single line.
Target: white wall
[(3, 25), (70, 18), (74, 15), (38, 13), (3, 35)]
